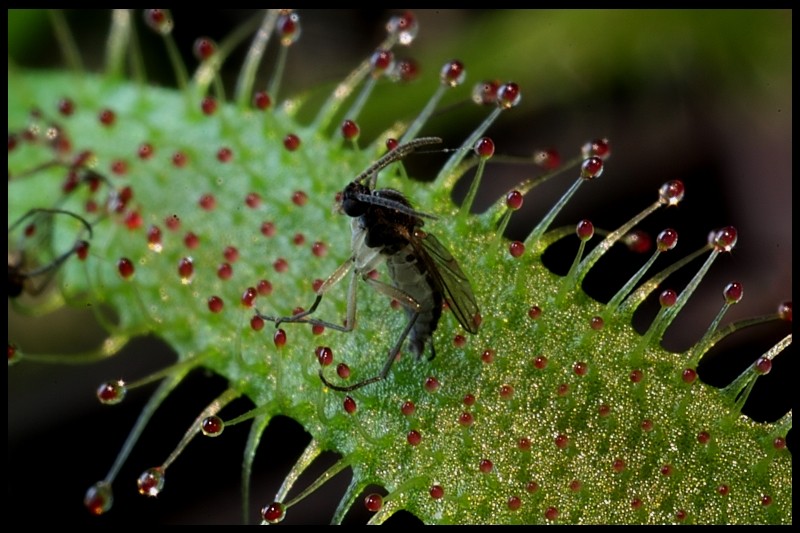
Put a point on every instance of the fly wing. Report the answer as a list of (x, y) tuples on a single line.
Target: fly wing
[(448, 278)]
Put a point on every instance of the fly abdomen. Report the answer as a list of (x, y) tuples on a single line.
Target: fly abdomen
[(410, 275)]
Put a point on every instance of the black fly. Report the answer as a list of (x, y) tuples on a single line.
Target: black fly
[(386, 229), (19, 278)]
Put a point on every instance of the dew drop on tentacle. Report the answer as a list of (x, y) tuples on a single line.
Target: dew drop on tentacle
[(112, 392), (252, 200), (380, 62), (324, 355), (350, 130), (299, 198), (208, 105), (66, 106), (186, 270), (225, 155), (99, 498), (548, 159), (179, 159), (212, 426), (638, 241), (763, 365), (319, 249), (151, 482), (224, 271), (82, 249), (145, 151), (159, 20), (671, 193), (373, 502), (207, 202), (107, 117), (14, 354), (256, 323), (203, 48), (279, 338), (273, 512), (667, 298), (350, 405), (280, 265), (514, 200), (268, 229), (264, 287), (431, 384), (154, 238), (733, 293), (484, 148), (598, 147), (289, 28), (724, 240), (506, 391), (125, 268), (452, 73), (591, 168), (249, 296), (262, 100), (215, 304), (508, 95), (666, 240), (291, 142), (785, 311), (584, 230), (516, 248), (405, 27), (485, 92), (404, 70)]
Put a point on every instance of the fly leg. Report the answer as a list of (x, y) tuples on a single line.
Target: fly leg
[(17, 278), (408, 301), (332, 280), (45, 210)]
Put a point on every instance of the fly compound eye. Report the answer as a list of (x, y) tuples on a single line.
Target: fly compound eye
[(351, 205)]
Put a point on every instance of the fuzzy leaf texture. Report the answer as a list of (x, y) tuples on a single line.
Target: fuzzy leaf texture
[(543, 416)]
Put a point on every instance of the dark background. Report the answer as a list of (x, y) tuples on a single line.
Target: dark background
[(701, 96)]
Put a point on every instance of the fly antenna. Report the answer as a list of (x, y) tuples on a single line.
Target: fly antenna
[(392, 204), (397, 154)]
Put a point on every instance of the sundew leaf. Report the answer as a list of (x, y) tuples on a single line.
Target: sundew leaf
[(538, 418)]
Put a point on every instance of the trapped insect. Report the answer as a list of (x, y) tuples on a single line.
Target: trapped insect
[(20, 275), (387, 229)]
